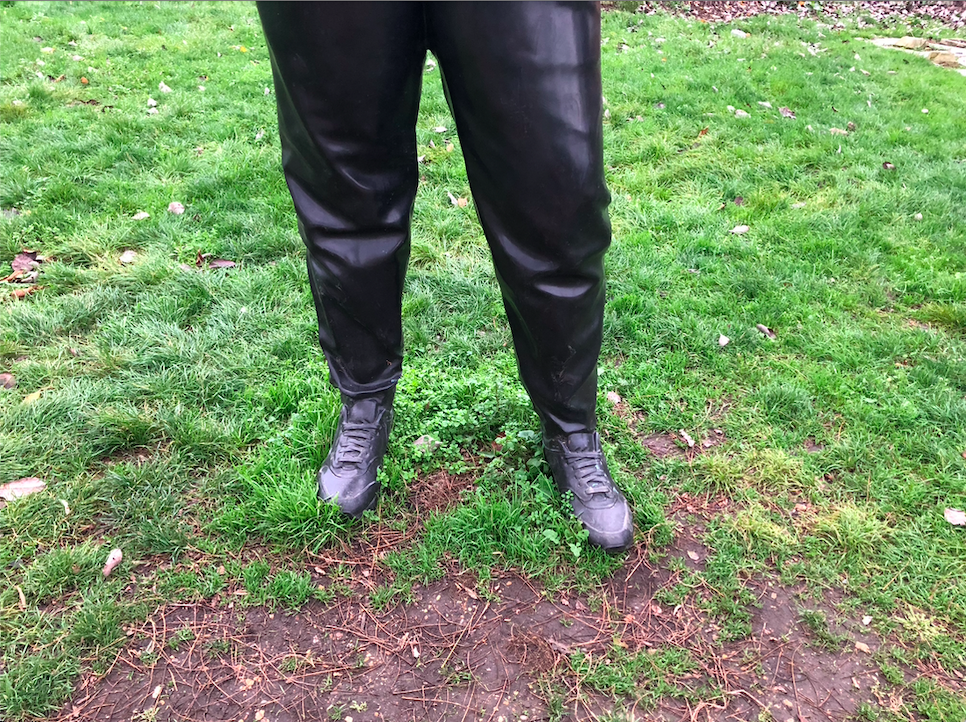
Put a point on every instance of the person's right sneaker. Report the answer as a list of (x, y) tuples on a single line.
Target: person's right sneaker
[(348, 476), (578, 465)]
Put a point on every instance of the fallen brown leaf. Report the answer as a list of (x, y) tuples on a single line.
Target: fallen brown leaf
[(30, 398), (221, 263), (24, 292), (688, 439), (766, 331), (21, 487), (787, 113), (888, 166), (113, 559), (8, 381), (956, 517), (27, 261)]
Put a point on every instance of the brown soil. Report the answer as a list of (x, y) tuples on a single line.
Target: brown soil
[(459, 653), (950, 14), (669, 444), (439, 491)]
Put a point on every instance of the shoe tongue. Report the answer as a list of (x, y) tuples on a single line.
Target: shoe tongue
[(362, 411), (582, 442)]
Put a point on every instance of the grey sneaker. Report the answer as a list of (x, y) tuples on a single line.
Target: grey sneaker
[(578, 465), (348, 476)]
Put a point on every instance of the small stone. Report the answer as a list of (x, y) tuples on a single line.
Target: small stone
[(918, 216), (427, 443)]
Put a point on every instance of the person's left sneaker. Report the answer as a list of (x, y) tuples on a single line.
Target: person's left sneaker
[(578, 465), (348, 476)]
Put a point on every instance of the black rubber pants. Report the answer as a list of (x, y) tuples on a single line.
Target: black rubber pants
[(523, 83)]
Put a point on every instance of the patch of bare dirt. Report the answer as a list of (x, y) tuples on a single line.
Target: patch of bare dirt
[(455, 653), (681, 445), (812, 446), (439, 491), (950, 14)]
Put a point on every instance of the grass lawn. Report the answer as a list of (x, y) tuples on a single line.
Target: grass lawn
[(178, 410)]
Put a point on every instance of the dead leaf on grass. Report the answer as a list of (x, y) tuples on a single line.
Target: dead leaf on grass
[(202, 258), (8, 381), (614, 397), (723, 340), (687, 438), (27, 260), (176, 208), (140, 216), (113, 559), (21, 487), (956, 517), (888, 166), (739, 230), (762, 328), (787, 113), (24, 292), (30, 398), (128, 257), (460, 202), (838, 131), (863, 647)]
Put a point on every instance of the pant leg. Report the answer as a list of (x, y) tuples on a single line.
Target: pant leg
[(347, 79), (523, 81)]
